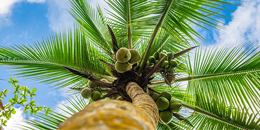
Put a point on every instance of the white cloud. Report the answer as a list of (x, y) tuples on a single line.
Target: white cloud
[(103, 5), (58, 15), (6, 11), (6, 6), (36, 1), (16, 120), (245, 26)]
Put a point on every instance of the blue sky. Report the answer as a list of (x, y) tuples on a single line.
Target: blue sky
[(26, 21)]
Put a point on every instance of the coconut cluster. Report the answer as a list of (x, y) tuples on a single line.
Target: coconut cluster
[(91, 91), (125, 57), (169, 64), (166, 105)]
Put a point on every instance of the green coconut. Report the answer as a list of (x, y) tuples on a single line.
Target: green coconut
[(156, 61), (170, 79), (173, 63), (175, 105), (95, 95), (167, 95), (162, 103), (123, 55), (154, 96), (86, 93), (151, 59), (166, 116), (169, 54), (92, 84), (122, 67), (165, 64), (135, 56), (156, 55), (161, 55)]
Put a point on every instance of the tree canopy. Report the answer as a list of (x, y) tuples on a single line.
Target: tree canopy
[(223, 83)]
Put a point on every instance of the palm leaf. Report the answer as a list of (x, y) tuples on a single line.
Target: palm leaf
[(43, 61), (128, 19), (226, 78), (52, 120), (92, 24), (184, 12)]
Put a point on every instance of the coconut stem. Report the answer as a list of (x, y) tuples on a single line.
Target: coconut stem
[(152, 39)]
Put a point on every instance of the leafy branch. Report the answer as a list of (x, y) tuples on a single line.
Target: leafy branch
[(21, 95)]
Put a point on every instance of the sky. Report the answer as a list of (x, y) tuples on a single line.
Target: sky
[(27, 21)]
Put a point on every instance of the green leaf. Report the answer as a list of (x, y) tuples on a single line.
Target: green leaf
[(15, 97), (7, 117), (16, 81), (33, 90), (22, 88), (50, 111), (46, 113), (13, 111)]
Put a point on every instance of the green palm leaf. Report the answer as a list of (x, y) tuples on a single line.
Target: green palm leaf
[(43, 61), (52, 120), (224, 82), (182, 13), (92, 24), (128, 19)]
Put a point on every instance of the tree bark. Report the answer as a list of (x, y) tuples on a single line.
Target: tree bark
[(142, 113)]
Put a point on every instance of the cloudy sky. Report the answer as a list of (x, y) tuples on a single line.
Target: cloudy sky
[(26, 21)]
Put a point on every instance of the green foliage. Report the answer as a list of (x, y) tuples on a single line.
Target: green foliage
[(223, 82), (52, 121), (21, 95)]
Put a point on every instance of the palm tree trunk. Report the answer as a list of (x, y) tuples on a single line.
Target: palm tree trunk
[(142, 113)]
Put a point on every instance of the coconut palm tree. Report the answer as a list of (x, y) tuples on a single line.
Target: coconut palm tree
[(223, 83)]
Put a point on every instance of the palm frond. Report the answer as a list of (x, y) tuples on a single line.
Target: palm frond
[(44, 60), (228, 118), (92, 24), (226, 78), (127, 18), (52, 120), (184, 12)]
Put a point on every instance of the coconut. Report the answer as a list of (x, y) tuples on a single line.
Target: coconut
[(86, 93), (175, 105), (166, 116), (95, 95), (123, 55), (135, 56), (162, 103)]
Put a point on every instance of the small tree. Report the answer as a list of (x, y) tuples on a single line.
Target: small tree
[(22, 96)]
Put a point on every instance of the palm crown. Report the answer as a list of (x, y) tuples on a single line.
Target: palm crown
[(223, 87)]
